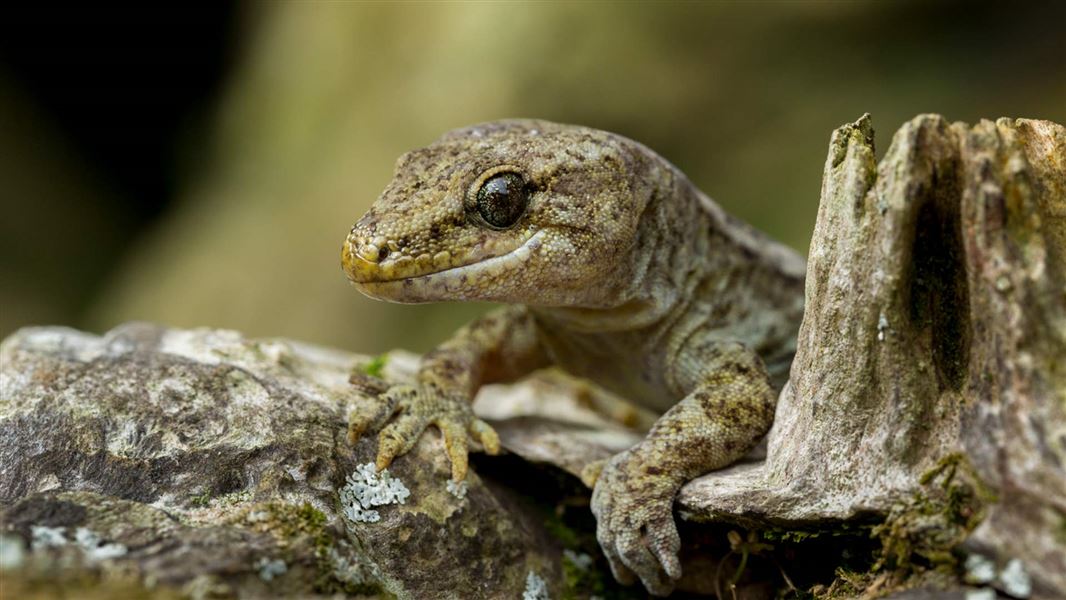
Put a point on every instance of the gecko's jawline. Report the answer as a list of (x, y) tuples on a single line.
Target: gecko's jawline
[(420, 288)]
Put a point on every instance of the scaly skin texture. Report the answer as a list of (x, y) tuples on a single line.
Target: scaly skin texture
[(619, 271)]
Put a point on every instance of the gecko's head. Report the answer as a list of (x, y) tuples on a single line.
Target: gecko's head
[(513, 211)]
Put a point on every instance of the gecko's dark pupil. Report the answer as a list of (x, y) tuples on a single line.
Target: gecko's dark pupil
[(502, 199)]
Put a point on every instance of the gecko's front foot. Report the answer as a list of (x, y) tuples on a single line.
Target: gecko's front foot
[(633, 502), (403, 412)]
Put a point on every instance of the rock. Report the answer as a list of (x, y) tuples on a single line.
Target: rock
[(208, 464)]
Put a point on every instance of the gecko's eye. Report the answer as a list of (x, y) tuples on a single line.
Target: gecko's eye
[(502, 199)]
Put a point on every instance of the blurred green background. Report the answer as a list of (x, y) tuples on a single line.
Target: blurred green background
[(201, 166)]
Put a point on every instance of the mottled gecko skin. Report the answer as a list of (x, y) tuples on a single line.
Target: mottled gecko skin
[(619, 271)]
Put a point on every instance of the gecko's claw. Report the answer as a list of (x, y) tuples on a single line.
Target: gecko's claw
[(403, 412), (635, 522)]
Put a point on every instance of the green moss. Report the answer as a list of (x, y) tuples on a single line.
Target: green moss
[(575, 531), (581, 582), (916, 544), (207, 498), (918, 539), (202, 500), (847, 583), (375, 366), (302, 533), (233, 499), (567, 536), (799, 536), (788, 535)]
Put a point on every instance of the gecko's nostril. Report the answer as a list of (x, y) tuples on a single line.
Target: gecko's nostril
[(373, 250), (359, 263), (368, 252)]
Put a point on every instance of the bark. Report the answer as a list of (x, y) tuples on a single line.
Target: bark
[(931, 365)]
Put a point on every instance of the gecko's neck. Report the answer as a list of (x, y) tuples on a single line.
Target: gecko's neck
[(666, 263)]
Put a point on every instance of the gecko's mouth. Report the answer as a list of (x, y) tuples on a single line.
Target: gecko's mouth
[(461, 282)]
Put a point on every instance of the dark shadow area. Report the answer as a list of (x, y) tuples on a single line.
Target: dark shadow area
[(124, 82)]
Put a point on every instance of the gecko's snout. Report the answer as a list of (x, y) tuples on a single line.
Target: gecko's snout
[(361, 259)]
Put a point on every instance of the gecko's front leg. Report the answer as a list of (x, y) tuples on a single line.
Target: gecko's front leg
[(500, 346), (730, 407)]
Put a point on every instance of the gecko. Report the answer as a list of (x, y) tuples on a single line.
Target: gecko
[(610, 264)]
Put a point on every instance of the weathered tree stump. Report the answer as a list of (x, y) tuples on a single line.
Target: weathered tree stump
[(930, 377)]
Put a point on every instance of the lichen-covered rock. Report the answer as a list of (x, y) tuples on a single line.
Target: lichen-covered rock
[(207, 464)]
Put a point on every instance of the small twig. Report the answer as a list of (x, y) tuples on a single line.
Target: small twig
[(718, 576), (788, 581), (740, 569)]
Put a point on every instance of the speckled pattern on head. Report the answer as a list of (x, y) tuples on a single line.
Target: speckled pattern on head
[(618, 270), (422, 237)]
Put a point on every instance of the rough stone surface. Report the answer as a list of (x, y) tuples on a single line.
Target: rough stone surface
[(216, 460)]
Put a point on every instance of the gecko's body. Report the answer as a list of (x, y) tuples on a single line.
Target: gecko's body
[(620, 271)]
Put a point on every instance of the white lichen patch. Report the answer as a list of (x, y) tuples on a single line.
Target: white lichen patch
[(269, 569), (366, 489), (979, 569), (47, 537), (257, 516), (457, 489), (12, 552), (1015, 580), (536, 588), (981, 594), (347, 567), (95, 548), (579, 559)]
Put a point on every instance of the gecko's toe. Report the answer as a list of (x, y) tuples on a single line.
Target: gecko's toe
[(398, 437), (665, 543), (368, 385), (402, 413), (622, 573), (638, 558), (368, 416), (635, 524), (484, 434), (455, 445), (371, 413), (590, 473)]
